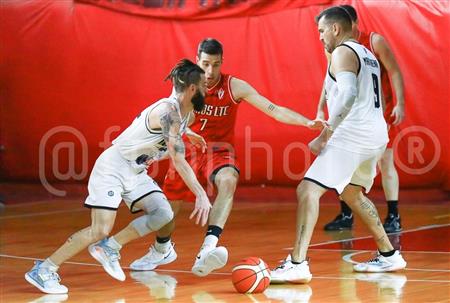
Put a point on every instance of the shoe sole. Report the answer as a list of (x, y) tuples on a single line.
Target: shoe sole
[(300, 281), (212, 262), (36, 284), (393, 231), (338, 229), (392, 269), (164, 262), (96, 255)]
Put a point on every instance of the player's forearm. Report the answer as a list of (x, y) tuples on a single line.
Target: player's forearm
[(322, 100), (397, 83), (187, 174), (346, 82), (288, 116)]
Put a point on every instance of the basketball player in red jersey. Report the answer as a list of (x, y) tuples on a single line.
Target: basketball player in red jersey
[(393, 115), (215, 123)]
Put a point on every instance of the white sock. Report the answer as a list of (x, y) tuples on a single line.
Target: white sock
[(210, 242), (163, 247), (50, 265), (111, 242)]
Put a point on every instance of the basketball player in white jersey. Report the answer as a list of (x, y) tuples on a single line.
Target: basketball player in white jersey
[(121, 173), (348, 149)]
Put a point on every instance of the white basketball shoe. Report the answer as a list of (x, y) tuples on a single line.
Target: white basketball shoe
[(209, 259), (382, 264), (155, 258)]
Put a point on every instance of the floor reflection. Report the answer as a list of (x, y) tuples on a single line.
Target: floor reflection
[(161, 286), (289, 293)]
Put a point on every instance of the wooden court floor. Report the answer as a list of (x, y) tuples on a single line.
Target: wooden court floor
[(258, 226)]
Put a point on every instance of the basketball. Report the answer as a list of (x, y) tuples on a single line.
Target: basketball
[(251, 275)]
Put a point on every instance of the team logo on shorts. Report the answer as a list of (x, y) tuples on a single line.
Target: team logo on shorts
[(110, 193)]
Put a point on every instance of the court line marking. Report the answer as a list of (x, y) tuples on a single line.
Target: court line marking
[(380, 279), (33, 203), (371, 251), (426, 227), (228, 274), (99, 265), (42, 213), (441, 216)]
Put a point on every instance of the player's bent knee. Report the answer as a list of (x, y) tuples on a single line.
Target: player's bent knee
[(159, 218), (227, 183)]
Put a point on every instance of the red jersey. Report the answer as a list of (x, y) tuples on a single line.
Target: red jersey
[(216, 121), (366, 40)]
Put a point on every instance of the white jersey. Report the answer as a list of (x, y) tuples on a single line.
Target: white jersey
[(364, 127), (139, 143)]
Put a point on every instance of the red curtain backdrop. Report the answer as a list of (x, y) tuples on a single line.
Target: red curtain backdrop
[(73, 74)]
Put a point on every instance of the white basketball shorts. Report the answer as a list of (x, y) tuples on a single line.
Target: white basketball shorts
[(114, 178), (335, 168)]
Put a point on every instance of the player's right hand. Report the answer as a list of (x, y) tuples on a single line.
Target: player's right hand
[(319, 143), (201, 209)]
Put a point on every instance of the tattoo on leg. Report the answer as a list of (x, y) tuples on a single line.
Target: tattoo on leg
[(301, 232), (368, 205)]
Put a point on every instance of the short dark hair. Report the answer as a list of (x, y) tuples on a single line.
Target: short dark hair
[(210, 46), (184, 74), (336, 14), (351, 11)]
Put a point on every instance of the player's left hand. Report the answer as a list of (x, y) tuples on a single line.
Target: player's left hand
[(399, 113), (316, 124), (197, 140)]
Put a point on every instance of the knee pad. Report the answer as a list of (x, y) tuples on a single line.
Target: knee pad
[(159, 217), (158, 213)]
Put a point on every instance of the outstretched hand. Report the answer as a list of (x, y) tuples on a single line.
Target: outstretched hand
[(316, 124), (197, 140), (201, 210), (399, 113)]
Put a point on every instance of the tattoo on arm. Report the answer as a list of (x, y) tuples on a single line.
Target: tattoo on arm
[(271, 107), (169, 121), (179, 146)]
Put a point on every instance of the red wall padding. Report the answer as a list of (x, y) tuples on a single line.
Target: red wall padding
[(71, 71)]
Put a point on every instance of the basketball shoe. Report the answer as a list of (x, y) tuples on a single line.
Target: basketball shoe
[(382, 264), (209, 259), (108, 257), (288, 272), (341, 222), (155, 258), (392, 223), (45, 279)]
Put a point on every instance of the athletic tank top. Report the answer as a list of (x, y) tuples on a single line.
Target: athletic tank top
[(364, 127), (366, 40), (216, 121), (140, 143)]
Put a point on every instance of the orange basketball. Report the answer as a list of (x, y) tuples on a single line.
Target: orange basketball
[(251, 275)]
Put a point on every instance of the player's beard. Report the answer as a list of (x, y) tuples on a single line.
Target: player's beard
[(198, 100)]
